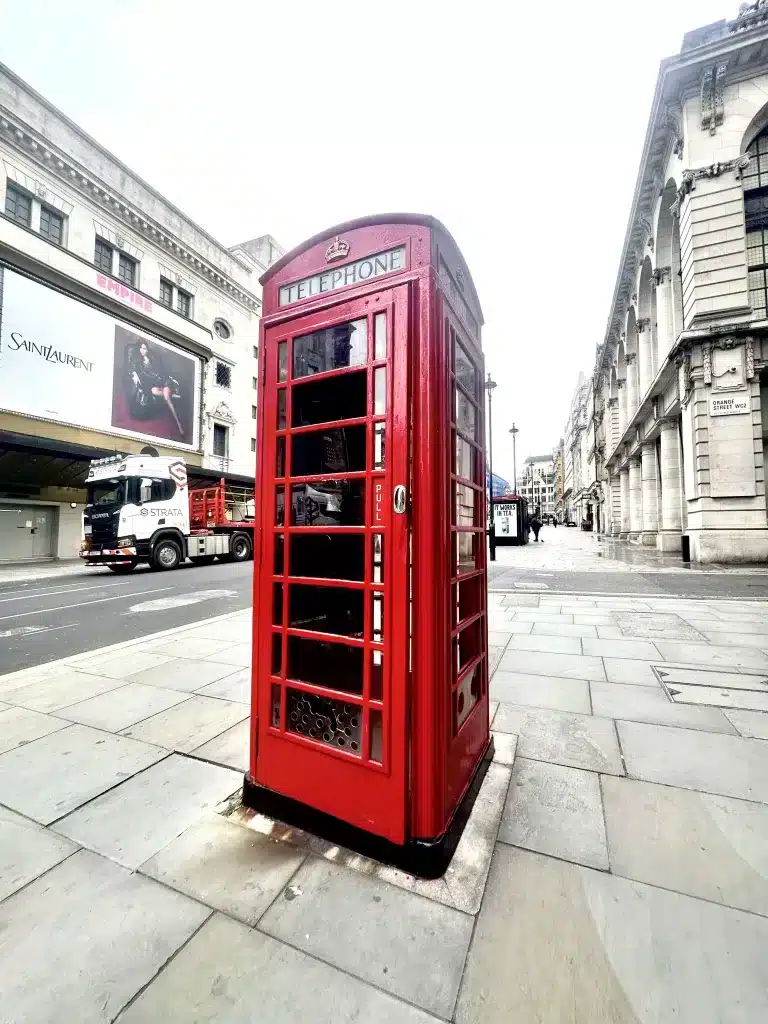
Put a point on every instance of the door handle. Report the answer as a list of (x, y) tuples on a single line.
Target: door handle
[(399, 499)]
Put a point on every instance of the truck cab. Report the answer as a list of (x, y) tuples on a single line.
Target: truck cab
[(137, 511)]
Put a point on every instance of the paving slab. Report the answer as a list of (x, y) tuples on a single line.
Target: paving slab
[(498, 638), (579, 741), (52, 776), (237, 654), (628, 670), (651, 704), (731, 639), (520, 601), (593, 619), (19, 726), (753, 628), (189, 646), (558, 943), (566, 666), (407, 945), (235, 631), (124, 664), (79, 942), (231, 974), (226, 866), (563, 629), (541, 691), (709, 846), (131, 823), (712, 656), (189, 725), (548, 644), (493, 706), (656, 626), (122, 707), (543, 616), (510, 626), (183, 674), (555, 810), (52, 692), (235, 687), (26, 851), (709, 762), (231, 748), (642, 650), (504, 747), (749, 723)]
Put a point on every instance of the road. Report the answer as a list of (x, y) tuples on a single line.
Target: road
[(42, 620)]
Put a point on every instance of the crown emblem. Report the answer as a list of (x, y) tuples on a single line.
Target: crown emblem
[(337, 250)]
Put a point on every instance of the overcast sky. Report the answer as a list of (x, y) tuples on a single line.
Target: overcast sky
[(519, 127)]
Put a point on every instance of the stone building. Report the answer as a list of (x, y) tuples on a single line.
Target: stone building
[(94, 265), (677, 409), (574, 454), (537, 484)]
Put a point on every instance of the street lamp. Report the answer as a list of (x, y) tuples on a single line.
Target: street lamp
[(514, 432), (489, 386)]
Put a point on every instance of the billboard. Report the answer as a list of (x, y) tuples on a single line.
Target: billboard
[(65, 361)]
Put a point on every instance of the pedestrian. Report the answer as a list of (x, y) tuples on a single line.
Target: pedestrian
[(536, 525)]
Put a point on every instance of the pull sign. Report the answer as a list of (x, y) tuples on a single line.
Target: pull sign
[(399, 499), (378, 498)]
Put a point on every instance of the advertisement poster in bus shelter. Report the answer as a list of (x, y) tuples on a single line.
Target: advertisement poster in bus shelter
[(65, 361), (505, 518)]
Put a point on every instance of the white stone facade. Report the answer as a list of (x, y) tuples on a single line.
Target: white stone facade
[(537, 484), (65, 204), (673, 446)]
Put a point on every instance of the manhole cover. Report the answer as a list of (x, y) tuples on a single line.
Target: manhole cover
[(651, 626), (713, 688)]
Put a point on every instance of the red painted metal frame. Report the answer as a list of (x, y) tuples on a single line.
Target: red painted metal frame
[(428, 763)]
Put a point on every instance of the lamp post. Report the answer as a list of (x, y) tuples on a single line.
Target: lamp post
[(489, 386), (514, 432)]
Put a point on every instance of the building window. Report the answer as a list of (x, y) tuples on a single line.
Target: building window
[(220, 440), (126, 270), (223, 375), (255, 383), (755, 184), (166, 293), (102, 256), (18, 205), (51, 225), (255, 351), (222, 330), (253, 412), (183, 303), (253, 444)]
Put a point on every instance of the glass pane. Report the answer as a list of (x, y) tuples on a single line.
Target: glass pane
[(464, 459), (377, 743), (338, 556), (279, 554), (282, 361), (466, 504), (326, 609), (378, 617), (380, 335), (275, 706), (465, 414), (378, 558), (281, 395), (328, 503), (377, 675), (277, 604), (465, 370), (379, 391), (468, 645), (332, 665), (379, 453), (466, 551), (337, 398), (467, 695), (333, 450), (280, 506), (280, 461), (466, 599), (277, 654), (331, 348), (332, 722)]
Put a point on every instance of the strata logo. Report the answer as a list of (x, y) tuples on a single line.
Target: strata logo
[(167, 512), (177, 471), (50, 354)]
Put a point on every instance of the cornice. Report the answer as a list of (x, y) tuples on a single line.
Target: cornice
[(25, 140)]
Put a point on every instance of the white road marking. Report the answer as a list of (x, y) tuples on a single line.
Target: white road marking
[(64, 590), (80, 604), (163, 604), (27, 630)]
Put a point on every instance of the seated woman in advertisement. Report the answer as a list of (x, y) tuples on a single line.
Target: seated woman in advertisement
[(150, 381)]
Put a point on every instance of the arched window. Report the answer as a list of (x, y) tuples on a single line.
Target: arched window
[(755, 182)]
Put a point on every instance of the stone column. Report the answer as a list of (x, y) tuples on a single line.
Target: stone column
[(635, 499), (664, 300), (671, 488), (622, 387), (633, 387), (624, 484), (650, 482), (645, 356)]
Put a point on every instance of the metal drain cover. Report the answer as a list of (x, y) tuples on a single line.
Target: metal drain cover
[(713, 688)]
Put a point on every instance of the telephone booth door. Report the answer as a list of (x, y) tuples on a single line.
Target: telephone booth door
[(331, 681)]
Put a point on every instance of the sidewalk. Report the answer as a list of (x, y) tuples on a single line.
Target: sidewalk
[(614, 871), (23, 572)]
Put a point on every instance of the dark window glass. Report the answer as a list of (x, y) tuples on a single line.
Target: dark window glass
[(334, 450), (337, 398), (253, 412), (328, 503), (331, 348), (277, 654), (183, 303), (126, 270), (281, 401), (51, 225), (279, 554), (223, 375), (220, 440), (102, 256), (280, 460), (253, 444), (338, 556), (326, 609), (166, 293), (333, 665), (255, 351), (277, 604), (18, 205)]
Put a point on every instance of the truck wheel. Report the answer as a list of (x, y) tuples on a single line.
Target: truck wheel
[(166, 555), (123, 569), (240, 547), (202, 559)]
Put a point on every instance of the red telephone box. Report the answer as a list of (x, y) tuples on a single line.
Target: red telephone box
[(370, 671)]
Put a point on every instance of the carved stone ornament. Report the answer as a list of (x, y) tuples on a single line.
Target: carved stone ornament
[(712, 96), (706, 351), (750, 354), (630, 358), (683, 377), (42, 191), (661, 275), (620, 384), (634, 297), (224, 413), (613, 402), (642, 323), (673, 120)]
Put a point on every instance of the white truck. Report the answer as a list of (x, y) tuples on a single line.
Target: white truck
[(140, 509)]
